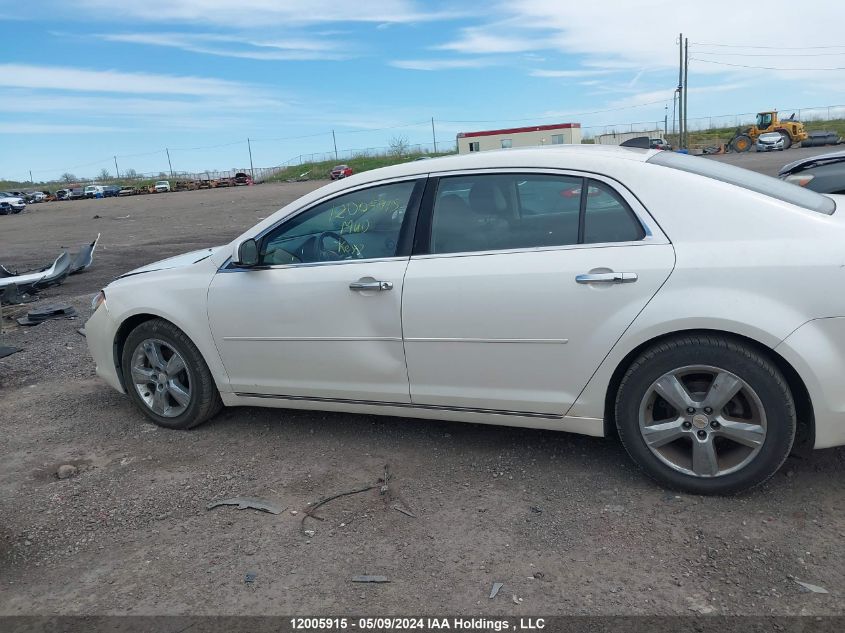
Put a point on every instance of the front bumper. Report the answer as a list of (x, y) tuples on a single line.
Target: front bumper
[(100, 333), (816, 350)]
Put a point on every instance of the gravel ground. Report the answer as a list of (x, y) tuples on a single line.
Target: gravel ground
[(566, 522)]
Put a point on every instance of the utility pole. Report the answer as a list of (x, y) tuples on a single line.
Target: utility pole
[(168, 161), (251, 168), (666, 119), (686, 93), (334, 140), (30, 177), (117, 171), (680, 90), (433, 136)]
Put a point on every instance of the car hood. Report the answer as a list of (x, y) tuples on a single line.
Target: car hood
[(180, 261), (11, 199), (811, 161)]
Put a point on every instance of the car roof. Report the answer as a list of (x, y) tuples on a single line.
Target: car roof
[(525, 157)]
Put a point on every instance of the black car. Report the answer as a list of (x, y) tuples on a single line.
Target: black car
[(110, 191), (824, 173), (6, 208)]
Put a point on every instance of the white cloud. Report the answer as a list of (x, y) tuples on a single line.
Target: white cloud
[(569, 73), (238, 46), (47, 128), (439, 64), (267, 13), (614, 34), (84, 80)]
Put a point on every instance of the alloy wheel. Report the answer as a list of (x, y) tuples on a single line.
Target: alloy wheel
[(161, 378), (702, 421)]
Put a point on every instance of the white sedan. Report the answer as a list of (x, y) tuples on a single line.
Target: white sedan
[(692, 307)]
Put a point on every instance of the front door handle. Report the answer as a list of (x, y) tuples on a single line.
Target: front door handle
[(606, 278), (373, 284)]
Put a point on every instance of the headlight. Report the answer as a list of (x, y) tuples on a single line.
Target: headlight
[(799, 179), (98, 300)]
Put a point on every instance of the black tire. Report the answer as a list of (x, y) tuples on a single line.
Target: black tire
[(205, 400), (787, 139), (726, 353)]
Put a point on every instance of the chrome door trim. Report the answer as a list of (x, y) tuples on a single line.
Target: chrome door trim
[(404, 405), (332, 339), (532, 341)]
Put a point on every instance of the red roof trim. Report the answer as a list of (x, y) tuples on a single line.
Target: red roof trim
[(517, 130)]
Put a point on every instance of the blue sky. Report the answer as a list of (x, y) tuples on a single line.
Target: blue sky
[(83, 81)]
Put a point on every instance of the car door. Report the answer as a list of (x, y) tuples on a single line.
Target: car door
[(319, 318), (520, 285)]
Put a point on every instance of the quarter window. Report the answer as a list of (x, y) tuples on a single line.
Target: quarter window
[(364, 224), (509, 211)]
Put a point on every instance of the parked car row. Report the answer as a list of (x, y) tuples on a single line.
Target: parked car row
[(11, 203)]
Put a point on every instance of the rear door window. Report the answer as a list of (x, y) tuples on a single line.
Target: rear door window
[(484, 212)]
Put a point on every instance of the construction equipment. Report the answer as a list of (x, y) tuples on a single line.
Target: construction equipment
[(792, 131)]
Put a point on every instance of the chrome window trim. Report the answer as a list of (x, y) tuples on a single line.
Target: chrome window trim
[(225, 267), (653, 232)]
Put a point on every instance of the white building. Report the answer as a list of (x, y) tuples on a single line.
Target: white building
[(558, 134)]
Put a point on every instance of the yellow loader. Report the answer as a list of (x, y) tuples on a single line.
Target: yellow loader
[(791, 130)]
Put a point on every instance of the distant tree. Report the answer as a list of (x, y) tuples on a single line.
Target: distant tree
[(68, 177), (399, 145), (104, 174), (130, 173)]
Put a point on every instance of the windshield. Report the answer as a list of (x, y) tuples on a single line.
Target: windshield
[(746, 179), (162, 182)]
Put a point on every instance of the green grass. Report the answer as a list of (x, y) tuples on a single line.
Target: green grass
[(358, 164)]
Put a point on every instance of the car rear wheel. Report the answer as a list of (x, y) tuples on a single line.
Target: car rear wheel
[(706, 414), (166, 376)]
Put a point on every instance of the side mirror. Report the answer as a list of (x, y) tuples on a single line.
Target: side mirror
[(247, 254)]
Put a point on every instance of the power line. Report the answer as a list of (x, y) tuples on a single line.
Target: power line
[(770, 54), (777, 48), (711, 61)]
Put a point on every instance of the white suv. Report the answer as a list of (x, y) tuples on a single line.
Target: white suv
[(162, 185)]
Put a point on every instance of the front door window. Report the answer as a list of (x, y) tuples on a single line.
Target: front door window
[(363, 224)]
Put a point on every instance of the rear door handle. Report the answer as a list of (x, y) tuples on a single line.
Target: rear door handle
[(371, 285), (607, 278)]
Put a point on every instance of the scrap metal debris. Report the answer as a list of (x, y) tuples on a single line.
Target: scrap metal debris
[(495, 589), (84, 257), (53, 311), (12, 295), (51, 275), (366, 578), (5, 350), (404, 511), (249, 577), (812, 588), (381, 484), (247, 502)]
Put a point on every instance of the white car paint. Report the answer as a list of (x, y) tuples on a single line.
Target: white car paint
[(718, 257), (162, 186), (14, 201)]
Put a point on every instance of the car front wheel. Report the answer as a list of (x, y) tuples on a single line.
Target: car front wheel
[(706, 414), (166, 377)]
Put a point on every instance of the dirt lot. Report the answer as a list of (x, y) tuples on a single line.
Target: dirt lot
[(567, 523)]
